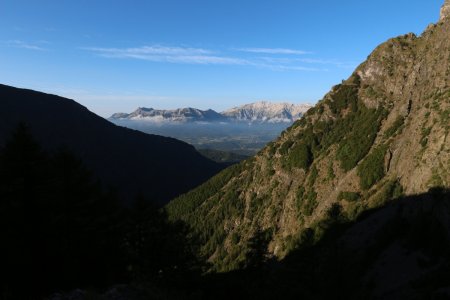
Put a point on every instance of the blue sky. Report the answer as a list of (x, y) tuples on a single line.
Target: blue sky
[(115, 55)]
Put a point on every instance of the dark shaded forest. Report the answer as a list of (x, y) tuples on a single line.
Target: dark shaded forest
[(62, 230)]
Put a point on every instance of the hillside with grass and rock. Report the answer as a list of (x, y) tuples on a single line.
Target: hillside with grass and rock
[(380, 135)]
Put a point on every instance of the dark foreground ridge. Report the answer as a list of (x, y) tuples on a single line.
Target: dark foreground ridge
[(61, 230), (132, 161)]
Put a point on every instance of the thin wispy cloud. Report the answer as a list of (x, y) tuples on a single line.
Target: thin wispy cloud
[(336, 63), (273, 51), (309, 61), (201, 56), (24, 45), (153, 50), (169, 54), (296, 68)]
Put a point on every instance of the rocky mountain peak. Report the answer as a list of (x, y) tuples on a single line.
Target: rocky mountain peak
[(445, 11)]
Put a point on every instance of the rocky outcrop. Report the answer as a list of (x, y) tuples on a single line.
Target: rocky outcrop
[(445, 11)]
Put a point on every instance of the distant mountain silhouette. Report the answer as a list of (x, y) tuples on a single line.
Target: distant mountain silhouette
[(134, 162), (258, 112), (188, 114)]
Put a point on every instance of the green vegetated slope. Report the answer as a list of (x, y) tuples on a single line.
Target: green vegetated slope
[(380, 134)]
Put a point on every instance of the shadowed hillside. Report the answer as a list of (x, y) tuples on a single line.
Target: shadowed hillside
[(61, 231), (398, 251), (134, 162)]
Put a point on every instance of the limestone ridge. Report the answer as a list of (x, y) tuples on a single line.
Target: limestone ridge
[(258, 112), (445, 11)]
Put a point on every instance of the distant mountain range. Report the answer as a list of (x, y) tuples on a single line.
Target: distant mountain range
[(175, 115), (258, 112), (267, 112), (131, 161)]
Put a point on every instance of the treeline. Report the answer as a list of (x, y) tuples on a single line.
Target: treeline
[(60, 229)]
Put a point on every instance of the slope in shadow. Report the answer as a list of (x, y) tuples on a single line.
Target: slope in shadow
[(399, 251), (61, 231), (159, 167)]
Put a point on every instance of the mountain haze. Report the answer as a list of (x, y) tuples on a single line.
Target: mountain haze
[(381, 134), (242, 130)]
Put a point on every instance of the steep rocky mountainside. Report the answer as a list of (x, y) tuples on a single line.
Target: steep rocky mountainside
[(380, 134), (131, 161)]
